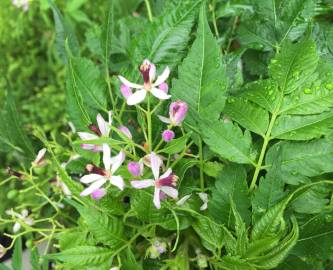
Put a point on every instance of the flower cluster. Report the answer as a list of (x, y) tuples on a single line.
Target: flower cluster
[(164, 181)]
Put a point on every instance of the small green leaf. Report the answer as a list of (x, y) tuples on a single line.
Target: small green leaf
[(176, 145)]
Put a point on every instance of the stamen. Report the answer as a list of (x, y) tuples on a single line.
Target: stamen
[(95, 129), (144, 69), (91, 168), (170, 181)]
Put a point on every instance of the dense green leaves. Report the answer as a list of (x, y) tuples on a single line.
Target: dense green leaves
[(201, 81)]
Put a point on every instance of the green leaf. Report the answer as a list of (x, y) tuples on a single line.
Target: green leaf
[(83, 256), (228, 140), (304, 158), (234, 263), (34, 259), (230, 184), (17, 255), (210, 233), (105, 229), (64, 33), (201, 77), (213, 168), (271, 188), (176, 145), (270, 222), (129, 262), (273, 258), (164, 40), (292, 67), (265, 93), (303, 127), (107, 32), (247, 114), (316, 236), (11, 132), (85, 92)]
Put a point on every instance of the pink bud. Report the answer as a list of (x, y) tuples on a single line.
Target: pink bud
[(126, 91), (177, 112), (98, 194), (135, 168), (125, 131), (164, 87), (168, 135)]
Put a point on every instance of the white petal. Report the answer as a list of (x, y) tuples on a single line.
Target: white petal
[(142, 183), (170, 191), (164, 119), (117, 181), (106, 156), (152, 72), (87, 136), (117, 161), (89, 178), (160, 79), (156, 200), (40, 155), (16, 227), (204, 207), (203, 196), (110, 117), (103, 126), (159, 93), (137, 97), (155, 163), (95, 185), (29, 221), (167, 173), (183, 200), (128, 83)]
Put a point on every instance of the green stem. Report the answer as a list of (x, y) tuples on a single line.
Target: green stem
[(202, 179), (150, 14), (149, 127), (214, 22), (267, 138)]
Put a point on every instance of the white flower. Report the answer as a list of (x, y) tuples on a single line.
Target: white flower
[(23, 217), (99, 176), (39, 160), (148, 71), (163, 184), (24, 4)]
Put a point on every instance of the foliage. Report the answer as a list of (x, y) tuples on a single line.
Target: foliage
[(247, 93)]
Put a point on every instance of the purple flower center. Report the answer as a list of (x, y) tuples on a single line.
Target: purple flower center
[(95, 129), (91, 168), (144, 69), (169, 181)]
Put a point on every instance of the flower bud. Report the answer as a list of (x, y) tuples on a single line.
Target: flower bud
[(164, 87), (98, 194), (177, 112), (2, 251), (135, 168), (125, 91), (157, 248), (125, 131), (168, 135)]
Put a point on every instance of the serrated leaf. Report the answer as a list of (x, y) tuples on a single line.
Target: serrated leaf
[(247, 114), (230, 185), (235, 263), (83, 256), (303, 127), (64, 32), (304, 158), (292, 67), (228, 140), (201, 77), (164, 40), (210, 233), (129, 262), (105, 229)]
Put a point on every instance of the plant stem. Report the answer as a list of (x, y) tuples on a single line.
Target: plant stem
[(267, 138), (149, 124), (202, 179), (214, 22), (150, 14)]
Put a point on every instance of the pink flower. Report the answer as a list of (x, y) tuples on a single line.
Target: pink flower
[(148, 72), (103, 129), (126, 91), (168, 135), (135, 168), (164, 87), (165, 183), (98, 176), (98, 194), (177, 113), (125, 131)]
